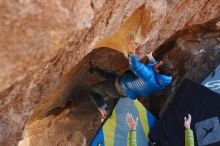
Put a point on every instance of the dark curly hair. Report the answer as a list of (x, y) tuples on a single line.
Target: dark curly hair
[(166, 68)]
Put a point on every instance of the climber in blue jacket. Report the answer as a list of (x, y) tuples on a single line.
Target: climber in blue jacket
[(140, 80)]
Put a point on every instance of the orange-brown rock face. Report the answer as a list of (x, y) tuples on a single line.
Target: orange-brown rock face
[(46, 46), (33, 31)]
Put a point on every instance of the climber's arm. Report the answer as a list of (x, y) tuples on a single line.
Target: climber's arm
[(132, 133), (151, 57), (132, 138), (138, 68), (135, 65)]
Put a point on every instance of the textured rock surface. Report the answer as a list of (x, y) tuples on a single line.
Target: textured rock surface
[(33, 31), (43, 44), (79, 117)]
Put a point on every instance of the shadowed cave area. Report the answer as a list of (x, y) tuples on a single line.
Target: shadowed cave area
[(78, 105), (197, 53)]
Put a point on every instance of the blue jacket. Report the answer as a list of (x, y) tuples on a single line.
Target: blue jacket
[(142, 80)]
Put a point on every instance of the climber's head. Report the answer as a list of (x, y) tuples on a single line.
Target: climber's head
[(164, 67)]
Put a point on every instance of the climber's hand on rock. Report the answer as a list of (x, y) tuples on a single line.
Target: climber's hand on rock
[(132, 46), (150, 54), (150, 50)]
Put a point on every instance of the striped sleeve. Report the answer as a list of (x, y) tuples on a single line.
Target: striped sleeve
[(132, 138), (189, 138)]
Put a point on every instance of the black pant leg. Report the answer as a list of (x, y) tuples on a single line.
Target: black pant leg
[(106, 74), (101, 90), (110, 89), (98, 94)]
